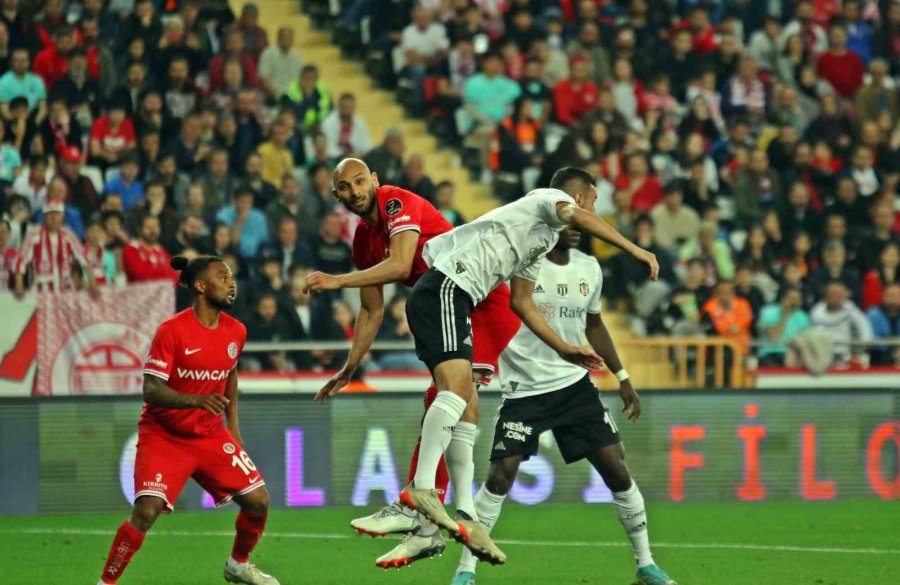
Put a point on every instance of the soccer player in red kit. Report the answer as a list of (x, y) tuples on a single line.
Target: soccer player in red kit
[(387, 247), (190, 380)]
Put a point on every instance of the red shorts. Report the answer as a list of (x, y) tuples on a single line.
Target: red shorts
[(165, 462), (494, 325)]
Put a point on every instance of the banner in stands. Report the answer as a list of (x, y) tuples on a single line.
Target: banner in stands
[(18, 345), (97, 345), (77, 454)]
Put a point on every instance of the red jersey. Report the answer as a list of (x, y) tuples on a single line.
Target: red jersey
[(192, 359), (398, 210), (142, 263), (115, 142)]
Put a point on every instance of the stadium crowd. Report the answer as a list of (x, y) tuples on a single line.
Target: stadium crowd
[(751, 145)]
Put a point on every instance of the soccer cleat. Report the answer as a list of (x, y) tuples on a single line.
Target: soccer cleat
[(413, 548), (427, 503), (475, 538), (248, 574), (463, 578), (653, 575), (389, 520)]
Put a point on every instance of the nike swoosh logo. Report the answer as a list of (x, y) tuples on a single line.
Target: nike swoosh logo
[(192, 351), (255, 479)]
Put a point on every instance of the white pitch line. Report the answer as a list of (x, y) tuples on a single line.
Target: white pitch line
[(539, 543)]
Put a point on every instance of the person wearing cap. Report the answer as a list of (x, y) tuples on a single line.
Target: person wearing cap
[(81, 188), (48, 253)]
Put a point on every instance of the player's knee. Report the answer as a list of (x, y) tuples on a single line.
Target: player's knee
[(145, 512), (499, 482), (616, 476), (256, 502)]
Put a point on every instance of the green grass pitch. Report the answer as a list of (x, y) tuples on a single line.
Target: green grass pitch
[(842, 543)]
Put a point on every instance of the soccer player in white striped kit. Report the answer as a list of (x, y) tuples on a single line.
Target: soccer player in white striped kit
[(543, 392), (466, 264)]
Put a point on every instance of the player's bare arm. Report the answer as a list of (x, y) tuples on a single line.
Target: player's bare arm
[(368, 322), (157, 393), (600, 339), (586, 221), (523, 305), (395, 268), (231, 408)]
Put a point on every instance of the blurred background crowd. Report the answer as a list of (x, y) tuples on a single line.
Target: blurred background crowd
[(752, 145)]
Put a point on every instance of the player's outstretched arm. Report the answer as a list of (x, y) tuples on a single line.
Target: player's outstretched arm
[(231, 409), (522, 305), (395, 268), (368, 322), (586, 221), (598, 336), (158, 394)]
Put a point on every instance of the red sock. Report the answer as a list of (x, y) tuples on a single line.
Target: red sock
[(249, 529), (127, 542)]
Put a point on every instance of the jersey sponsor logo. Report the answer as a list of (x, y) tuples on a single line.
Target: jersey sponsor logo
[(562, 289), (547, 311), (202, 375), (516, 431), (158, 477), (583, 288), (228, 448), (232, 350), (157, 485), (397, 220), (460, 268), (539, 289), (253, 480), (393, 207), (155, 362), (191, 351), (567, 313)]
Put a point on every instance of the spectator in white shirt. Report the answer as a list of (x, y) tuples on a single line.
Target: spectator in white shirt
[(764, 44), (346, 134), (842, 320), (423, 46), (747, 94), (279, 64)]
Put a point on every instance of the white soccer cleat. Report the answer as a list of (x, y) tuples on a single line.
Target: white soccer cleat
[(248, 574), (392, 519), (428, 503), (413, 548), (473, 536)]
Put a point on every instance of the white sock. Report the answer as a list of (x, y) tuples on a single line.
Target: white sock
[(461, 464), (437, 430), (630, 509), (234, 565), (487, 506)]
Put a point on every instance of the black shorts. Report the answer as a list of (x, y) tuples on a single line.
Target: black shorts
[(579, 421), (439, 314)]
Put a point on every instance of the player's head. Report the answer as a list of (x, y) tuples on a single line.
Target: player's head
[(569, 238), (208, 277), (354, 186), (578, 183)]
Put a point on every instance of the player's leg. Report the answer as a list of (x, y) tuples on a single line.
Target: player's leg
[(226, 471), (461, 460), (488, 503), (160, 471)]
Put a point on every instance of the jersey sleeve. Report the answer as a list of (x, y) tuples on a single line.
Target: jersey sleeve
[(593, 305), (546, 200), (529, 272), (402, 211), (161, 356)]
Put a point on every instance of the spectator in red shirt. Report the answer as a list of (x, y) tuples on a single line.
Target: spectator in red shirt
[(145, 259), (843, 69), (53, 61), (886, 274), (645, 189), (234, 46), (575, 96), (111, 136)]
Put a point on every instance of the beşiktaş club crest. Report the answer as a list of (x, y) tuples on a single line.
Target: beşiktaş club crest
[(583, 288), (562, 289), (232, 350)]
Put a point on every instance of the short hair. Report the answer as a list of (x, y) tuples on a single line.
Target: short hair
[(571, 180)]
